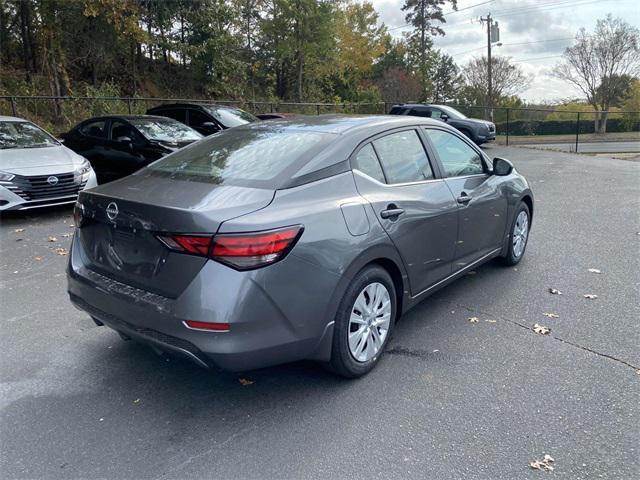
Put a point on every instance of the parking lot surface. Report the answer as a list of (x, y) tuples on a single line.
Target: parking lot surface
[(450, 399)]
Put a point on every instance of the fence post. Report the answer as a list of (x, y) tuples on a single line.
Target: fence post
[(577, 131), (507, 127), (317, 109), (14, 109), (271, 106), (129, 105)]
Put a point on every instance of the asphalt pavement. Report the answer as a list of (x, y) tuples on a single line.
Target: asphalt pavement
[(450, 399), (591, 147)]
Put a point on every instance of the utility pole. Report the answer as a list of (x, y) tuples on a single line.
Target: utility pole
[(493, 35)]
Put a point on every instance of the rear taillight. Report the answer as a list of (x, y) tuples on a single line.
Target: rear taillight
[(78, 214), (242, 251)]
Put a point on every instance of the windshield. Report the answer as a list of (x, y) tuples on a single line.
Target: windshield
[(165, 130), (452, 112), (231, 117), (254, 157), (24, 135)]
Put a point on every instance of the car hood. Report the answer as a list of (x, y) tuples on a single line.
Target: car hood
[(39, 161), (479, 120)]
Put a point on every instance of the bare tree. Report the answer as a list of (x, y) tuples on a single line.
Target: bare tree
[(507, 78), (597, 61)]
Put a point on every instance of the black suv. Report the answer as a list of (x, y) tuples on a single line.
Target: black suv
[(205, 118), (480, 131)]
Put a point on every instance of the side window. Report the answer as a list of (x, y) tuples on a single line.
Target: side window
[(197, 118), (403, 157), (420, 112), (175, 113), (94, 129), (456, 156), (367, 162), (435, 113)]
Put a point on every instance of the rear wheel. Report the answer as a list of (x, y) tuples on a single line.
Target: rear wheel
[(518, 236), (363, 323)]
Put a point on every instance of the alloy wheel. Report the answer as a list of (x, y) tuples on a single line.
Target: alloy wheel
[(520, 233)]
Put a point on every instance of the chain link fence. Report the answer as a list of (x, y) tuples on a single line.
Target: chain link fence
[(548, 127)]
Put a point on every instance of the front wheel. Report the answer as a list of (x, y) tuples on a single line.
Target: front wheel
[(363, 323), (518, 236)]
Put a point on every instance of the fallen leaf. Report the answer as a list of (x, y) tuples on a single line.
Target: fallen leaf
[(102, 419), (136, 401), (545, 465), (473, 319), (590, 296), (72, 226), (541, 329), (244, 381), (551, 315), (37, 259), (67, 235), (61, 251), (490, 321), (18, 230), (554, 291), (594, 270), (18, 239), (52, 239)]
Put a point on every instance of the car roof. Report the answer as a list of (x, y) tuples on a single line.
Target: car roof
[(125, 117), (4, 118), (189, 105)]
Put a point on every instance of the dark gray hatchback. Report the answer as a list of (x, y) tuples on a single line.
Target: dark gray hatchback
[(296, 239)]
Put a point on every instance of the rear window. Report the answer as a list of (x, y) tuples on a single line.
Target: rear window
[(231, 117), (260, 158)]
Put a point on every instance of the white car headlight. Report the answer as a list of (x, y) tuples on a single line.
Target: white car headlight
[(6, 177), (84, 168)]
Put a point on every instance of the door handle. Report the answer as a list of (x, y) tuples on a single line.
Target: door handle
[(392, 212), (464, 199)]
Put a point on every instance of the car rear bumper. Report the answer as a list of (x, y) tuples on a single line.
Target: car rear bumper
[(264, 329)]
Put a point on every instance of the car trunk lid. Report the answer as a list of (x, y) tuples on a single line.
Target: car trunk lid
[(121, 221)]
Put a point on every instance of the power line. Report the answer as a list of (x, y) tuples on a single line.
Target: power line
[(517, 43), (533, 59)]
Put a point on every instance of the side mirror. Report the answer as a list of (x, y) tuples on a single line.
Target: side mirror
[(444, 117), (210, 127), (502, 167), (125, 140)]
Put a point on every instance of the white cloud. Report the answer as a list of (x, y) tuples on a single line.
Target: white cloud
[(521, 22)]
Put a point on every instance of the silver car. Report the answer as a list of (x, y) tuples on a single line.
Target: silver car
[(296, 239), (36, 170)]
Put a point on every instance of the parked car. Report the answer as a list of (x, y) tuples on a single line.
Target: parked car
[(119, 145), (300, 239), (36, 170), (480, 131), (205, 118), (275, 115)]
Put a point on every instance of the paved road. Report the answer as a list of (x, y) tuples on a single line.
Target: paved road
[(451, 399), (591, 147)]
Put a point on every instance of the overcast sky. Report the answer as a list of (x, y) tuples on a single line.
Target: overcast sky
[(550, 23)]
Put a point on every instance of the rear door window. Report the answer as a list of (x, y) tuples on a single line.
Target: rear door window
[(179, 114), (367, 162), (95, 129), (197, 118), (403, 157)]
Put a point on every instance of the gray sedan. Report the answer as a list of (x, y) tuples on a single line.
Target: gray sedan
[(297, 239)]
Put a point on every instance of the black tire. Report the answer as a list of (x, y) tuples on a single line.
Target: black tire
[(342, 361), (510, 258)]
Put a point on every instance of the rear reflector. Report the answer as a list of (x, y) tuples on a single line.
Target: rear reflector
[(214, 327), (242, 251)]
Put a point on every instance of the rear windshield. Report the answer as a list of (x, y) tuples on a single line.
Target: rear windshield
[(254, 157)]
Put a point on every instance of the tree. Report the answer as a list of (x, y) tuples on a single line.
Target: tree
[(421, 14), (445, 76), (596, 63), (507, 79)]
